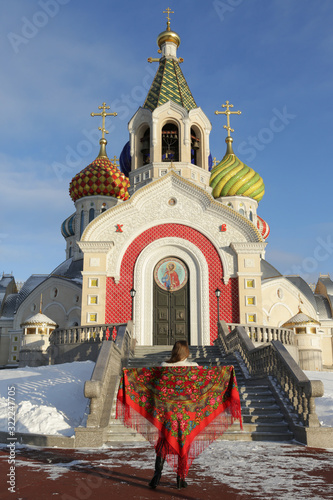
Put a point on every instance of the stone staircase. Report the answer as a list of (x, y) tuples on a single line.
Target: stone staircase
[(262, 419)]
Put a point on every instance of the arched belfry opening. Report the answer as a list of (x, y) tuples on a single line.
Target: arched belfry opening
[(170, 142), (144, 157), (196, 146)]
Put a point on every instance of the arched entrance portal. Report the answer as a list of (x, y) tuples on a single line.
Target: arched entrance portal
[(171, 302)]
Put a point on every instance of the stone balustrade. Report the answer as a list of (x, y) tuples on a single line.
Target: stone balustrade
[(263, 333), (88, 333), (296, 392), (102, 387)]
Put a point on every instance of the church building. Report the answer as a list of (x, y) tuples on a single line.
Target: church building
[(169, 239)]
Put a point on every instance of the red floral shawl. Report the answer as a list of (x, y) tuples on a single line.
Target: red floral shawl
[(181, 410)]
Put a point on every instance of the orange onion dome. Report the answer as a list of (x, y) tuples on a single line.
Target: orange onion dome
[(101, 177)]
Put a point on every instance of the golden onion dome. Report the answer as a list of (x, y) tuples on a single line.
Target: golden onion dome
[(231, 177), (168, 36), (101, 177)]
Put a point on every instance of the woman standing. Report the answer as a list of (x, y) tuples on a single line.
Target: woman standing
[(179, 357)]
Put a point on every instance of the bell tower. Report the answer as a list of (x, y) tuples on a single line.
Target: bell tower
[(169, 127)]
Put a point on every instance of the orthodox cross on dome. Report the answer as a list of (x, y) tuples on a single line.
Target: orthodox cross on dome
[(214, 161), (114, 161), (227, 112), (168, 11), (103, 114)]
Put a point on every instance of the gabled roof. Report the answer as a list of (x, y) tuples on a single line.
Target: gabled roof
[(169, 84)]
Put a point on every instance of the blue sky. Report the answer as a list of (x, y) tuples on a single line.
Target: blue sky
[(62, 58)]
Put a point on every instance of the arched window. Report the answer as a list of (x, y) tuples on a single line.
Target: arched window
[(81, 223), (145, 148), (251, 215), (241, 211), (70, 253), (170, 142), (195, 147), (91, 214)]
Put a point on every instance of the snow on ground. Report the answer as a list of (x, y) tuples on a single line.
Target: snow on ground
[(271, 470), (49, 399)]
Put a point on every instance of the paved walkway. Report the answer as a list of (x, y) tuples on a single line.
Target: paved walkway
[(124, 473)]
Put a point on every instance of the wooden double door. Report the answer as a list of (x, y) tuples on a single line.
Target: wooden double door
[(171, 304)]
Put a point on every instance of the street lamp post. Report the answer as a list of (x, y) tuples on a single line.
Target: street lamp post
[(132, 293), (218, 293)]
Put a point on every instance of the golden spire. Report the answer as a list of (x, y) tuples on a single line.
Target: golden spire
[(103, 141), (228, 113), (41, 303), (168, 11)]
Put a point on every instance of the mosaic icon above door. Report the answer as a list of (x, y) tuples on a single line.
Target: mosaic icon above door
[(171, 274)]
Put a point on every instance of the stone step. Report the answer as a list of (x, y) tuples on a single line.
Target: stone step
[(257, 436), (259, 410), (275, 417), (262, 419), (251, 432), (257, 398)]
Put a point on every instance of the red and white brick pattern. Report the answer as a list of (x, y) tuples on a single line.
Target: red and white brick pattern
[(118, 307)]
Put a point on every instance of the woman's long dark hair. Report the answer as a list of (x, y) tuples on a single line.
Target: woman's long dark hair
[(179, 351)]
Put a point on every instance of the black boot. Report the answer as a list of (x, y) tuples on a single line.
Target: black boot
[(181, 483), (158, 472)]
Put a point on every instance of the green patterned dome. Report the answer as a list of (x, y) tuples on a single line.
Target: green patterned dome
[(231, 177)]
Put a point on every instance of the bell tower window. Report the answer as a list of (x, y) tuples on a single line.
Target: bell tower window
[(170, 142), (196, 147), (145, 148)]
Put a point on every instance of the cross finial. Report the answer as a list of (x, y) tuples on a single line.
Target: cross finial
[(168, 11), (214, 161), (227, 112), (103, 114), (114, 161)]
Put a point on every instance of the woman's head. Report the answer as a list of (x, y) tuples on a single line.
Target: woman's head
[(180, 351)]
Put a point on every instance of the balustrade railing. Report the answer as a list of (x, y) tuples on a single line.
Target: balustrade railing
[(263, 333), (274, 361), (87, 333)]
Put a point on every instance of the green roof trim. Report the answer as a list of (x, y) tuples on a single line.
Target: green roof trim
[(169, 84)]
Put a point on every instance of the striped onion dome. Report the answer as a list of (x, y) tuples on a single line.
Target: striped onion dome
[(231, 177), (67, 227), (263, 227), (101, 177)]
